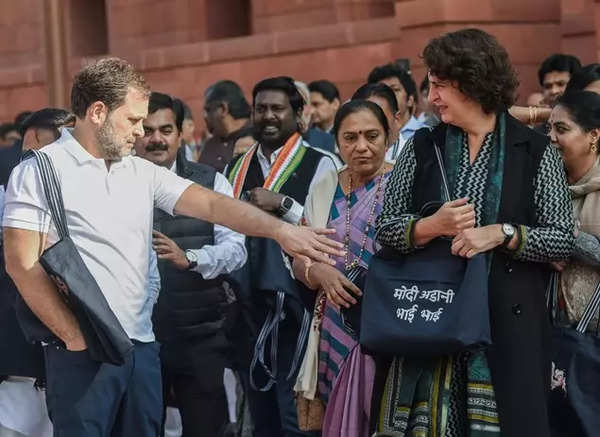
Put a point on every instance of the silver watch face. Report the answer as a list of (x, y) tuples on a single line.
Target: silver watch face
[(509, 230), (191, 256)]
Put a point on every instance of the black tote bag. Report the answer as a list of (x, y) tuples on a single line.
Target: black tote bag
[(574, 403), (427, 303), (106, 339)]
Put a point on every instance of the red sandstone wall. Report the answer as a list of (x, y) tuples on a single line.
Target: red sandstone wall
[(21, 32), (303, 55), (277, 15), (185, 45), (578, 29), (142, 24), (597, 26), (190, 81), (88, 27), (530, 30)]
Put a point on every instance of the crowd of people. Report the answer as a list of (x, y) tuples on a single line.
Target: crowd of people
[(235, 267)]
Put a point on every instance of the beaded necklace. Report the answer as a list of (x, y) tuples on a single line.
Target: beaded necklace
[(354, 263)]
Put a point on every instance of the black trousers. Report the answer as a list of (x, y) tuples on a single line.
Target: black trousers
[(193, 378)]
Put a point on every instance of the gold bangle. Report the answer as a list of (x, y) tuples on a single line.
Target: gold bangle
[(535, 115), (307, 267)]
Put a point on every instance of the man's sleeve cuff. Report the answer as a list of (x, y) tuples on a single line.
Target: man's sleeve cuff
[(24, 224)]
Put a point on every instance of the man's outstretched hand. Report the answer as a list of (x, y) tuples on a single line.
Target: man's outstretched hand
[(305, 242)]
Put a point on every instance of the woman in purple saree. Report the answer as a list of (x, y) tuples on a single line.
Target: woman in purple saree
[(344, 373)]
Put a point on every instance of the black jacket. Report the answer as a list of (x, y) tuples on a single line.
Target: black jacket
[(519, 358), (190, 309)]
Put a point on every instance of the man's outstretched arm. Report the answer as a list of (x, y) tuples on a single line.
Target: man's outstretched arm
[(197, 201)]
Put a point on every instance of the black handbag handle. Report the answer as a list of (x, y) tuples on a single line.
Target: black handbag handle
[(440, 161), (445, 189), (52, 191), (552, 296)]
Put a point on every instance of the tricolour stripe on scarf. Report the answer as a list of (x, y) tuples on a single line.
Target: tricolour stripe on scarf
[(290, 149), (288, 160), (240, 170), (290, 168), (234, 170)]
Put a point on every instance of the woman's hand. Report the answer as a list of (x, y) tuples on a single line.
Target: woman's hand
[(451, 219), (470, 242), (454, 217), (336, 286)]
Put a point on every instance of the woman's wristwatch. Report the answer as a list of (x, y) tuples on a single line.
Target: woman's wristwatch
[(509, 232)]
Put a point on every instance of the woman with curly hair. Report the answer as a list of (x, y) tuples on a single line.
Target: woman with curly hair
[(511, 203)]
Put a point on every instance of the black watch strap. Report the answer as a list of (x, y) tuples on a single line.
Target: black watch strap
[(286, 204), (508, 237), (192, 265), (191, 260)]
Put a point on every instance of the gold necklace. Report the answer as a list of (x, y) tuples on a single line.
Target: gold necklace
[(354, 263)]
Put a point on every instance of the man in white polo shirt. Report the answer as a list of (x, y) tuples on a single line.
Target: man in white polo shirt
[(109, 198)]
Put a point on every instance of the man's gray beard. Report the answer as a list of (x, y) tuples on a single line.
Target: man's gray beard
[(105, 138)]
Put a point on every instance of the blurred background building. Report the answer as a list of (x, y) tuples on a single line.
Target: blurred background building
[(182, 46)]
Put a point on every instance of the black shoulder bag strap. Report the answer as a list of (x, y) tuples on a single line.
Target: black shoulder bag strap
[(52, 191), (440, 161)]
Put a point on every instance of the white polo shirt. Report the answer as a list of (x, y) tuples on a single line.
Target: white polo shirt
[(109, 215)]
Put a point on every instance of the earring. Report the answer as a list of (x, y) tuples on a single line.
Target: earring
[(594, 148)]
